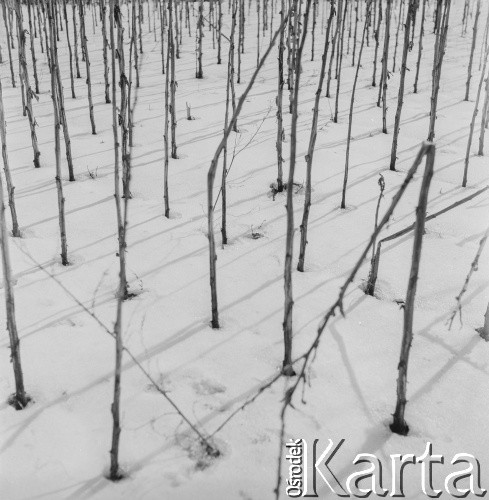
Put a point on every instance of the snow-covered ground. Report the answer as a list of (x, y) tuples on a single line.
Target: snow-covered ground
[(58, 447)]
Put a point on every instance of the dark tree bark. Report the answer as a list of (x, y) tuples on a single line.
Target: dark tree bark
[(400, 98), (287, 368), (399, 425), (312, 144), (6, 168), (83, 38), (420, 46), (24, 77)]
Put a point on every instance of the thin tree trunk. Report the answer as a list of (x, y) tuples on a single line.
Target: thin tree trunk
[(83, 38), (19, 399), (399, 425), (230, 77), (7, 33), (200, 24), (55, 93), (173, 91), (105, 43), (24, 76), (70, 52), (211, 175), (352, 103), (440, 46), (168, 106), (75, 36), (476, 111), (280, 91), (334, 43), (33, 49), (385, 62), (287, 368), (338, 77), (485, 111), (471, 58), (420, 46), (400, 99), (6, 167), (377, 43), (399, 20), (312, 144)]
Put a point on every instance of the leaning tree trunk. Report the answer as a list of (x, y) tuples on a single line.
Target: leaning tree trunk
[(471, 59), (400, 98), (440, 46), (24, 76), (83, 38), (211, 175), (6, 167), (55, 93), (287, 368), (399, 425), (352, 103), (312, 144)]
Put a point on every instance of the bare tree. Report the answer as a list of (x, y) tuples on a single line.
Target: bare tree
[(199, 73), (211, 175), (229, 80), (83, 38), (33, 48), (400, 98), (70, 52), (476, 110), (352, 103), (19, 399), (312, 144), (105, 43), (24, 76), (75, 36), (6, 167), (9, 47), (116, 19), (55, 96), (399, 425), (287, 368), (471, 58), (440, 46), (279, 101), (377, 42), (420, 46), (339, 66)]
